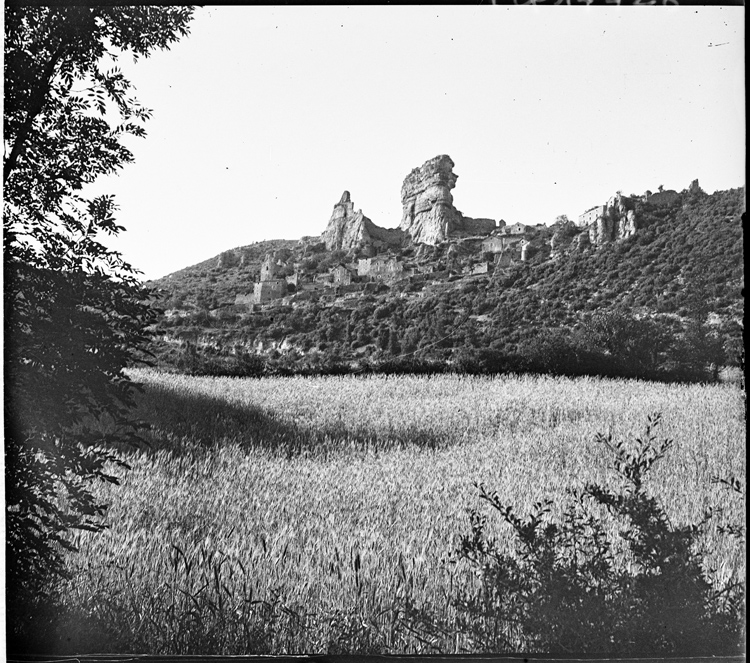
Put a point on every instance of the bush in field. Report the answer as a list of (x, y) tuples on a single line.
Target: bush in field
[(621, 344), (552, 351), (563, 590), (698, 354)]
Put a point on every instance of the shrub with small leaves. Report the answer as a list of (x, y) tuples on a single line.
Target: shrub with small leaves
[(565, 591)]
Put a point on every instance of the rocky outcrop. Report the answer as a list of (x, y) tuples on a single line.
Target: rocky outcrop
[(228, 259), (581, 241), (616, 221), (428, 215), (451, 257), (554, 246), (349, 230), (525, 250), (424, 253)]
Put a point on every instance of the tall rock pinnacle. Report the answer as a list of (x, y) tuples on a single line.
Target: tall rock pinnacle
[(348, 229), (428, 215)]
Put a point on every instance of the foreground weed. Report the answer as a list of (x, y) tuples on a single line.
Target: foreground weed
[(204, 604)]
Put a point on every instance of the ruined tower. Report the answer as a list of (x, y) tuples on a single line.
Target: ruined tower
[(268, 269)]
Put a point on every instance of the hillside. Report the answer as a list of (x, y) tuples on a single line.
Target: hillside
[(218, 279), (451, 303)]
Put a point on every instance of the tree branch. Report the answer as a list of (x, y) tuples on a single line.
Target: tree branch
[(38, 99)]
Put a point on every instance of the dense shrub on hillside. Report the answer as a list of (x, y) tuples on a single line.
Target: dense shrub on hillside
[(682, 266), (608, 344)]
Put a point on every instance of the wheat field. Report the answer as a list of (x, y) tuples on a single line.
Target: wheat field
[(294, 515)]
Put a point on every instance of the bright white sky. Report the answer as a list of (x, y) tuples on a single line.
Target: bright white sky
[(263, 116)]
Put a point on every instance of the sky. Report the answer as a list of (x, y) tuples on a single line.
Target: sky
[(263, 116)]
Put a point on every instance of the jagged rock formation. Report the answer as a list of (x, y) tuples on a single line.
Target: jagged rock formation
[(616, 221), (424, 252), (581, 241), (429, 216), (428, 213), (554, 246), (348, 230)]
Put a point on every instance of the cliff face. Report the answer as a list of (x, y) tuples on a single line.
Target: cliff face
[(428, 215), (617, 221), (348, 230)]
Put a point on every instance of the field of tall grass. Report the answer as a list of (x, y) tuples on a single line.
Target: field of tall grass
[(294, 515)]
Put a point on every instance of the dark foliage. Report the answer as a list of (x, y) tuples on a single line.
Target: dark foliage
[(563, 591), (613, 343), (74, 311)]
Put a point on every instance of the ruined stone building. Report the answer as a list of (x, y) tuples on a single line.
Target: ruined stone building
[(509, 238), (515, 229), (380, 268), (268, 269), (341, 275), (505, 249), (480, 268), (325, 279), (294, 279), (266, 291), (590, 215), (662, 198), (493, 244), (269, 287)]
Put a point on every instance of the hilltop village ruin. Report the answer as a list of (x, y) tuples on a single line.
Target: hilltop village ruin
[(433, 237)]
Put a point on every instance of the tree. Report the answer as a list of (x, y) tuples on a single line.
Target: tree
[(699, 353), (74, 310), (384, 337), (551, 351), (394, 347), (631, 346)]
